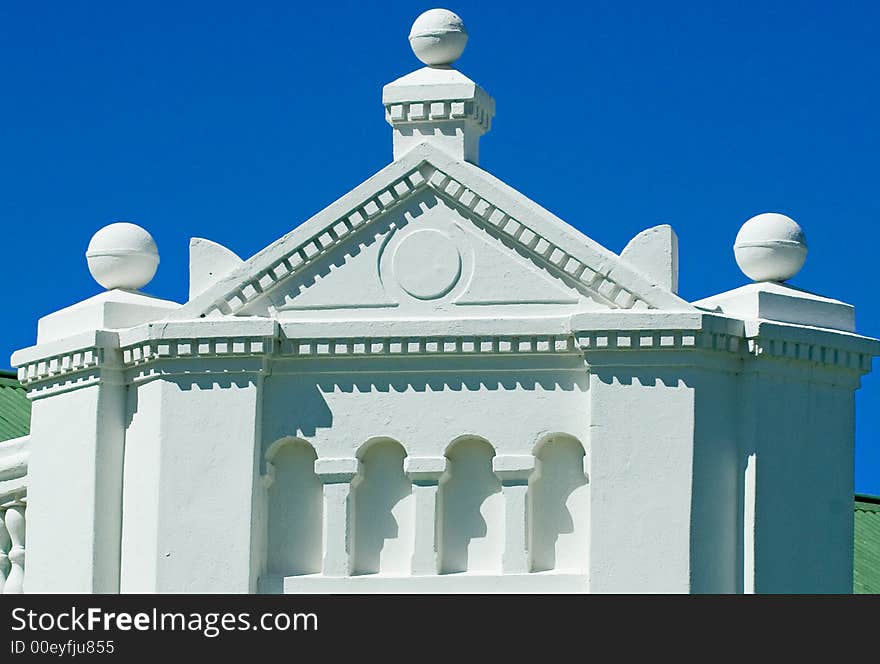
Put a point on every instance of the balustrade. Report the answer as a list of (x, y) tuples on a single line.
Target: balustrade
[(448, 517), (12, 547)]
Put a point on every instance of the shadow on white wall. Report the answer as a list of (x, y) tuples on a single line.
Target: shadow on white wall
[(472, 509), (559, 511), (295, 509), (383, 531)]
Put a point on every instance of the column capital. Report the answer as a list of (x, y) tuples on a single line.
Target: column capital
[(337, 471), (513, 468), (424, 470)]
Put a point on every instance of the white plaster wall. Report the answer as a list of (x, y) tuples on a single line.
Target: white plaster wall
[(803, 445), (717, 490), (471, 510), (384, 511), (559, 513), (295, 511), (468, 410), (190, 459), (339, 405), (74, 491), (641, 445), (141, 490)]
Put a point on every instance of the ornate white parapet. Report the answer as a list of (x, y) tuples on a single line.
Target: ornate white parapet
[(438, 104), (12, 547), (14, 458)]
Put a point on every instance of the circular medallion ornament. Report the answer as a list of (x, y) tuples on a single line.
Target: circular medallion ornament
[(427, 264)]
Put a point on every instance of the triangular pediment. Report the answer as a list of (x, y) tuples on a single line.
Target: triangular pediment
[(430, 234)]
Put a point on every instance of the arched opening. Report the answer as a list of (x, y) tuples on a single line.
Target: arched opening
[(384, 519), (472, 509), (295, 509), (559, 506)]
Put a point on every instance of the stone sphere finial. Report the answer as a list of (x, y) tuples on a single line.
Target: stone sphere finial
[(438, 37), (122, 255), (770, 247)]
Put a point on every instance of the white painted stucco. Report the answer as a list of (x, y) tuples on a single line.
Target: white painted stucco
[(435, 385)]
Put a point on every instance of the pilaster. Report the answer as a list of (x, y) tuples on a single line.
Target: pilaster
[(337, 475), (75, 466), (425, 474)]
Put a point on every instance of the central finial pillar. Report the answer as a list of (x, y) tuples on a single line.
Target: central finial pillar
[(438, 104)]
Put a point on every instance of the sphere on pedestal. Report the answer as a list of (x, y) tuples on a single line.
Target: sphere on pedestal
[(122, 255), (770, 247), (438, 37)]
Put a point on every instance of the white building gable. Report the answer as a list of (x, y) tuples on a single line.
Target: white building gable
[(435, 384), (431, 235)]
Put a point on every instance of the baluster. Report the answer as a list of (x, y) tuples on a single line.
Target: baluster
[(15, 525), (5, 544), (337, 475), (514, 472), (425, 474)]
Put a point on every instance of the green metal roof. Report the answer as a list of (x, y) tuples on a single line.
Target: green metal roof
[(866, 545), (15, 409)]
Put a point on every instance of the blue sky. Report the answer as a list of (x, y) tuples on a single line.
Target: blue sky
[(236, 121)]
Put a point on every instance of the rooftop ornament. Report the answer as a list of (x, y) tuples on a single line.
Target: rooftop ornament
[(438, 37), (770, 247), (122, 255)]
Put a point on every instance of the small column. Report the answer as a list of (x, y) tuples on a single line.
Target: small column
[(337, 475), (13, 519), (514, 472), (425, 474), (5, 545)]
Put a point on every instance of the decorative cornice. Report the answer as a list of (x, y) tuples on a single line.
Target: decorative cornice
[(596, 283), (318, 245), (815, 353), (439, 110), (249, 344), (791, 342), (189, 348), (685, 339), (59, 368), (585, 279), (428, 345)]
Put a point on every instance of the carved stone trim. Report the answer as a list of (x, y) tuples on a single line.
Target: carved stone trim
[(159, 349), (440, 109), (80, 368), (658, 340), (597, 284), (815, 353), (810, 352), (420, 345), (579, 275), (60, 366), (318, 245)]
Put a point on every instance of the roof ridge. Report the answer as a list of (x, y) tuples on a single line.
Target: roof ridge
[(10, 379), (867, 502)]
